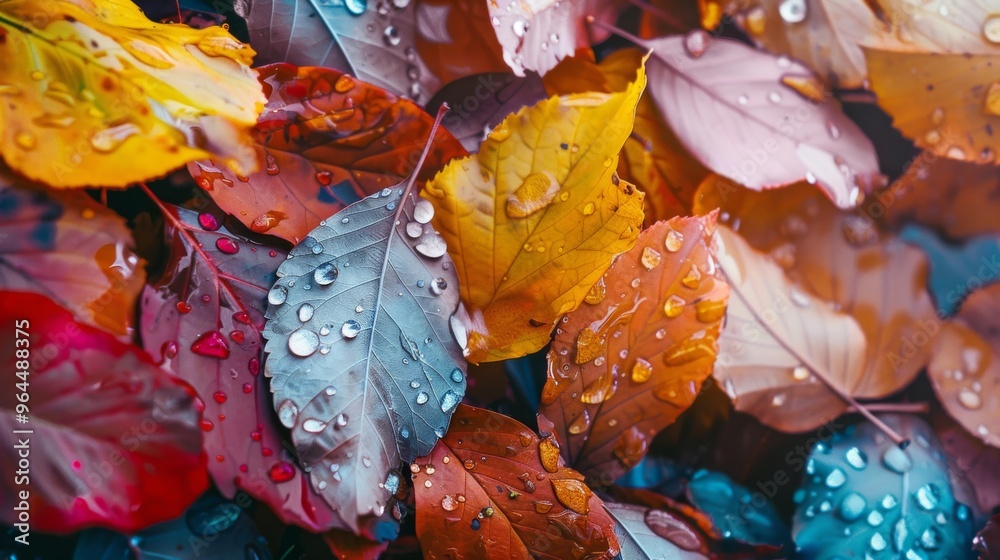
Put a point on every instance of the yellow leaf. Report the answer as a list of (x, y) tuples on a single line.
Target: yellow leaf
[(534, 219), (95, 94)]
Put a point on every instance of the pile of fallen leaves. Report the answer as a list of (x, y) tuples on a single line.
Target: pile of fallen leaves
[(558, 279)]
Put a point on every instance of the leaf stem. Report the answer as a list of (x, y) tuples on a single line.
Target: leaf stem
[(906, 408), (591, 20), (659, 13)]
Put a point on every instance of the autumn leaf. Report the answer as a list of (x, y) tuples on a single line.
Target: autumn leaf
[(114, 440), (652, 159), (965, 368), (71, 250), (957, 198), (203, 319), (374, 41), (325, 140), (533, 220), (537, 35), (883, 497), (623, 368), (780, 126), (447, 27), (97, 95), (777, 341), (825, 35), (937, 76), (348, 546), (366, 368), (492, 487), (971, 459), (482, 101)]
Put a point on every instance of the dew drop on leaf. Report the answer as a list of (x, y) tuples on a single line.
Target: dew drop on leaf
[(211, 344), (303, 342), (350, 329), (282, 471)]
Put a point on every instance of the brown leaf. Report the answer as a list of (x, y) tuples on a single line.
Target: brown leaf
[(825, 35), (324, 140), (780, 127), (490, 488), (841, 258), (456, 39), (777, 341), (965, 368), (972, 460), (959, 199), (625, 364)]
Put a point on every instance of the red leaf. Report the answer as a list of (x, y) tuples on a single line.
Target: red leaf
[(203, 318), (490, 486), (324, 140), (115, 439), (348, 546)]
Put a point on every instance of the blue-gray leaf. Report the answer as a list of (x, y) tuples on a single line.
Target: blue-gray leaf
[(862, 495), (365, 369), (640, 541)]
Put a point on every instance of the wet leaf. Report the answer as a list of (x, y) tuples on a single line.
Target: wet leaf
[(965, 368), (768, 336), (946, 101), (480, 102), (94, 94), (628, 362), (862, 486), (958, 26), (736, 511), (987, 541), (825, 35), (373, 41), (492, 487), (115, 440), (970, 460), (211, 528), (534, 219), (203, 319), (455, 39), (536, 36), (839, 258), (782, 128), (653, 159), (70, 249), (365, 368), (652, 534), (324, 141), (957, 198)]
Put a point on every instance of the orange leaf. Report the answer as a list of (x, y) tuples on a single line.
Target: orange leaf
[(633, 358), (324, 140)]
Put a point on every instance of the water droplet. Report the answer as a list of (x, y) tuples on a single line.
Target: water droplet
[(340, 421), (793, 11), (856, 458), (208, 222), (897, 460), (573, 494), (836, 478), (778, 400), (305, 312), (313, 425), (899, 534), (888, 502), (742, 99), (580, 423), (930, 539), (423, 397), (674, 306), (693, 278), (774, 97), (423, 211), (756, 21), (875, 518), (535, 193), (25, 140), (928, 496), (211, 344), (287, 413), (674, 241), (642, 370), (350, 329), (449, 400), (449, 503), (325, 274), (696, 43), (414, 229), (277, 295), (391, 36), (991, 28), (457, 376), (650, 258), (438, 286), (282, 471), (878, 542), (432, 246), (519, 27), (853, 506), (970, 399), (588, 209), (303, 342)]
